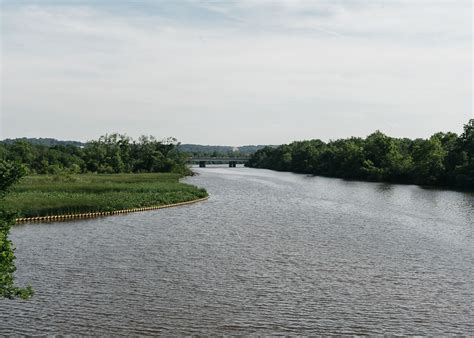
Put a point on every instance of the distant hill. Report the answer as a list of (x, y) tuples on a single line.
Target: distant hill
[(207, 149), (48, 142), (187, 148)]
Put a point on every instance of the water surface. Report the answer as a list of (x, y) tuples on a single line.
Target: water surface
[(268, 253)]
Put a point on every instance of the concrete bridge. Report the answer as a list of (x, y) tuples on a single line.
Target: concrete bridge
[(203, 160)]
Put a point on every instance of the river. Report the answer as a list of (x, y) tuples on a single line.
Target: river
[(268, 253)]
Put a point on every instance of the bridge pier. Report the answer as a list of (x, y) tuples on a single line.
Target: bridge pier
[(232, 164), (202, 164)]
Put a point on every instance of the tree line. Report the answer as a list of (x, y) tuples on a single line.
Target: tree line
[(114, 153), (198, 150), (445, 159)]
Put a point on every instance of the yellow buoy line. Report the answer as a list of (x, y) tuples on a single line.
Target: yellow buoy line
[(104, 213)]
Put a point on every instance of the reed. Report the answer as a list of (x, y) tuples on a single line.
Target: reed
[(46, 195)]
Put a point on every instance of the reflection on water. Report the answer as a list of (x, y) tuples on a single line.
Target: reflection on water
[(268, 253)]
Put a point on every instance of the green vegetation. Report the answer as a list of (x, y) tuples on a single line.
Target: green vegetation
[(48, 142), (10, 173), (197, 150), (112, 173), (45, 195), (113, 153), (445, 159)]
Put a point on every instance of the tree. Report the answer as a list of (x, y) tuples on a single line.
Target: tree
[(380, 152), (464, 172), (467, 140), (445, 159), (302, 153), (428, 158), (349, 158), (10, 173)]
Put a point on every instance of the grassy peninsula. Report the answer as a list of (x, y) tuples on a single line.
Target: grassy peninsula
[(45, 195)]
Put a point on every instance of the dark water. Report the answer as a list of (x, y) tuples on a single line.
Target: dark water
[(269, 253)]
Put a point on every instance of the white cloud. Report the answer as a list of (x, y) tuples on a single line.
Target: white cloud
[(270, 72)]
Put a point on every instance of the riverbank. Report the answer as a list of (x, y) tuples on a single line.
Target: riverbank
[(46, 197)]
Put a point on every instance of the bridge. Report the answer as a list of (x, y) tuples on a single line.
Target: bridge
[(212, 160)]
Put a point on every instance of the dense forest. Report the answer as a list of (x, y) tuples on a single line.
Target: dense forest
[(114, 153), (445, 159)]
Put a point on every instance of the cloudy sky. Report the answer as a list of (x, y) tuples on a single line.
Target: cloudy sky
[(235, 72)]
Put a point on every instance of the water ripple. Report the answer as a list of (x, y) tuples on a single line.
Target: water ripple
[(269, 253)]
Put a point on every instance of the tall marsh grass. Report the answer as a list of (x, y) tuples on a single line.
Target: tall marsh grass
[(45, 195)]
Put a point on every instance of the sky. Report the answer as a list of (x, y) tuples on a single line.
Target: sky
[(235, 72)]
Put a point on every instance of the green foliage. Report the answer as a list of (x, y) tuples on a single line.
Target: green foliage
[(49, 142), (10, 173), (114, 153), (46, 195), (463, 172), (428, 157), (444, 159)]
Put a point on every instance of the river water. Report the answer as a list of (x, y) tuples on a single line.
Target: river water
[(268, 253)]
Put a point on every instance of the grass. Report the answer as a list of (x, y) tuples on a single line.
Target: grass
[(45, 195)]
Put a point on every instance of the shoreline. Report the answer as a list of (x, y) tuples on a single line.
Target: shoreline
[(67, 217), (348, 179)]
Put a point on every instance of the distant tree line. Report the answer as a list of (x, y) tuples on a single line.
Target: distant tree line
[(197, 150), (218, 154), (49, 142), (114, 153), (445, 159)]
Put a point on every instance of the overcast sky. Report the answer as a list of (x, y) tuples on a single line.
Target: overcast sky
[(235, 72)]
